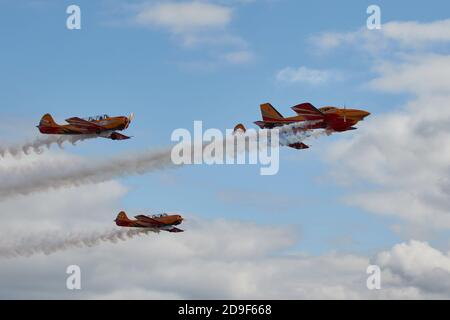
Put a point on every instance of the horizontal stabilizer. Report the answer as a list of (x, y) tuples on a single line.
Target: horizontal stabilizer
[(299, 146), (174, 229), (117, 136)]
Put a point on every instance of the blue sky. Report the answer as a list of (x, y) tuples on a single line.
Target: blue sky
[(117, 65), (112, 66)]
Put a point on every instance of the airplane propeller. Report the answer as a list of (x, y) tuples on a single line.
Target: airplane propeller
[(345, 113), (130, 118)]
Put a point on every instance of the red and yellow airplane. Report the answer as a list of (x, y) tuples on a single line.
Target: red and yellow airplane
[(329, 118), (162, 221), (103, 126)]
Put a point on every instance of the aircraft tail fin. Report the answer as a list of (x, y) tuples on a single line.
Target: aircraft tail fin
[(122, 216), (269, 113), (239, 128), (47, 121)]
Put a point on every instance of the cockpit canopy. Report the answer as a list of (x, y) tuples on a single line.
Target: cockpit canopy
[(159, 215), (326, 109), (97, 118)]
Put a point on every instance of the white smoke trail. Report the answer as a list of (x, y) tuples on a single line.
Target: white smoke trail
[(293, 133), (47, 175), (39, 144), (290, 136), (54, 242)]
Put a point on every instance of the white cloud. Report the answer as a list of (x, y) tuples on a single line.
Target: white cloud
[(414, 258), (212, 259), (305, 75), (416, 264), (331, 40), (221, 259), (404, 35), (185, 17), (404, 154), (195, 24), (419, 74), (416, 34)]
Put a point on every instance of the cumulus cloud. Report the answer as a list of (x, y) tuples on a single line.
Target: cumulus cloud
[(413, 33), (305, 75), (416, 264), (222, 259), (398, 34), (423, 75), (194, 23), (214, 258), (403, 155), (185, 17), (406, 153), (198, 23)]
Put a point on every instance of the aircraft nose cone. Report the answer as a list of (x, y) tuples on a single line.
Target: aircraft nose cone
[(365, 114)]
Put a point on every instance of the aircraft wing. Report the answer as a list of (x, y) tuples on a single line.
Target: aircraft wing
[(78, 122), (147, 220), (308, 111)]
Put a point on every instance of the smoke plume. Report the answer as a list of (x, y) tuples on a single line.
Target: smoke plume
[(55, 174), (39, 144), (54, 242), (42, 176)]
